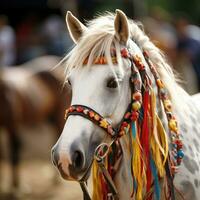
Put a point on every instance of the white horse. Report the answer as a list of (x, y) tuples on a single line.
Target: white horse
[(100, 80)]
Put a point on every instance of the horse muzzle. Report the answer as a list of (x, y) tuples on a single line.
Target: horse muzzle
[(72, 165)]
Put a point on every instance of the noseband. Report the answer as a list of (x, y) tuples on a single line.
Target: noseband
[(139, 83)]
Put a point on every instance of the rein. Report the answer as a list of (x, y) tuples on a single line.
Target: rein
[(136, 114)]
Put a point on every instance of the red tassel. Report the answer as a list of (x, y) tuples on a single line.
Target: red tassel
[(104, 187), (149, 180), (145, 139), (145, 127)]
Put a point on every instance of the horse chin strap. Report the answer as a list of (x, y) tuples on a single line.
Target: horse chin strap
[(131, 116)]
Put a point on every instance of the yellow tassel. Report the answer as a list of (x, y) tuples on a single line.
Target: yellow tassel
[(159, 150), (163, 138), (158, 141), (97, 187), (138, 166), (97, 193), (154, 122), (159, 157)]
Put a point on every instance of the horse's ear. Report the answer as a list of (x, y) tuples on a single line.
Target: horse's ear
[(75, 27), (121, 27)]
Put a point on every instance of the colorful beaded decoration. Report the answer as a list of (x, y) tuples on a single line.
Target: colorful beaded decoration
[(137, 123), (177, 145), (91, 115)]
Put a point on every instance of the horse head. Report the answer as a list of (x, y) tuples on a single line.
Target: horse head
[(112, 74), (103, 88)]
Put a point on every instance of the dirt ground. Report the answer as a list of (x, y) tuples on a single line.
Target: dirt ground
[(38, 179)]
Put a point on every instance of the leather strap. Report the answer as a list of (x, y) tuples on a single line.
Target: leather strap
[(86, 195)]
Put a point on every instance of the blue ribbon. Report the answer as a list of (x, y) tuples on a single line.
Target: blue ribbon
[(156, 181), (133, 128)]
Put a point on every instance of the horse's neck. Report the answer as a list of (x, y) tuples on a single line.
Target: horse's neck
[(188, 115), (123, 178), (196, 101)]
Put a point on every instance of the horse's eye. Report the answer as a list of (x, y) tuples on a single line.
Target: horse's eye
[(69, 82), (112, 83)]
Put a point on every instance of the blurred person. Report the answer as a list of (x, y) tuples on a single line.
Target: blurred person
[(53, 31), (7, 43), (161, 31), (29, 41), (188, 43), (160, 28), (64, 5)]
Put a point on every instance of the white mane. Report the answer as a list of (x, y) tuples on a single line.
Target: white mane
[(98, 38)]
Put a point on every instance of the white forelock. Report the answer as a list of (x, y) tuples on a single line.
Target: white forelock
[(98, 38)]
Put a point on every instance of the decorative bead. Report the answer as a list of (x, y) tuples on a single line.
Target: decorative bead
[(104, 123), (134, 116), (137, 96), (127, 115), (141, 67), (180, 153), (71, 109), (160, 83), (124, 125), (85, 111), (179, 143), (91, 114), (173, 125), (168, 105), (138, 62), (124, 53), (97, 117), (79, 109), (136, 106)]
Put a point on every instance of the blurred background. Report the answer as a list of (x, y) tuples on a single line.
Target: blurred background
[(33, 39)]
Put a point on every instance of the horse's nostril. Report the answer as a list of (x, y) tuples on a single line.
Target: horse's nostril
[(77, 160)]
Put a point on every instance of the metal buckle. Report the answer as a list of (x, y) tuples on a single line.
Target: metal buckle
[(101, 151)]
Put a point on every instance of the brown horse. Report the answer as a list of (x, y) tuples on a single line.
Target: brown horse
[(30, 94)]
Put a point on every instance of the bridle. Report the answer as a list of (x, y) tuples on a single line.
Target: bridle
[(133, 112)]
